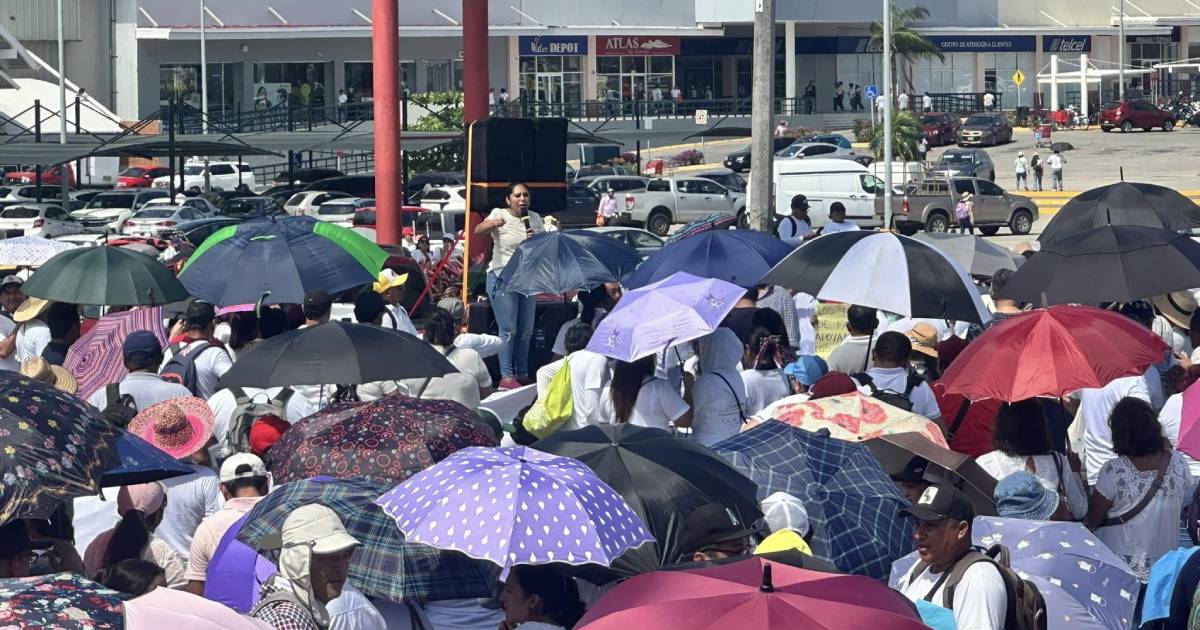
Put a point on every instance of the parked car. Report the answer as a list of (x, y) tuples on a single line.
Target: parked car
[(283, 192), (940, 128), (221, 176), (836, 139), (582, 203), (12, 195), (739, 161), (84, 239), (201, 206), (353, 185), (156, 221), (644, 242), (307, 175), (341, 211), (826, 181), (141, 176), (445, 206), (422, 181), (84, 196), (307, 202), (800, 150), (930, 203), (669, 200), (108, 210), (37, 219), (726, 178), (596, 170), (1130, 115), (985, 128), (251, 207), (198, 231), (619, 183), (51, 176), (965, 163)]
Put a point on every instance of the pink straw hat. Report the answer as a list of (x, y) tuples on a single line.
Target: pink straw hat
[(178, 427)]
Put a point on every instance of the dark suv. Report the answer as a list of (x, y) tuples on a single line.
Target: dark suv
[(1130, 115), (940, 128), (990, 128), (739, 161)]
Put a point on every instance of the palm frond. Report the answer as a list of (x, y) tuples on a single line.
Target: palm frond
[(906, 138)]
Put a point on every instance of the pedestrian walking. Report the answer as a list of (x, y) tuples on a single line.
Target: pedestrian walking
[(1035, 164), (989, 101), (607, 212), (781, 128), (902, 102), (810, 97), (965, 213), (1056, 162), (839, 95), (927, 102), (1022, 171)]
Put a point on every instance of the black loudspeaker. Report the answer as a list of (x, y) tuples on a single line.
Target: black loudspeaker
[(507, 150)]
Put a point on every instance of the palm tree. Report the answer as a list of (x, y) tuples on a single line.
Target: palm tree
[(906, 42), (906, 138)]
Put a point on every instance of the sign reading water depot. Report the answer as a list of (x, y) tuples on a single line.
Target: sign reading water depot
[(607, 46), (548, 45)]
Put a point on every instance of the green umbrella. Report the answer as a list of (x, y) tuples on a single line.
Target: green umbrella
[(105, 275)]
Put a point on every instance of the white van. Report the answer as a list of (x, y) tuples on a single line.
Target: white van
[(825, 181)]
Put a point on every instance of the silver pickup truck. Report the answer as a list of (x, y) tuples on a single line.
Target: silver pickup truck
[(669, 200), (929, 204)]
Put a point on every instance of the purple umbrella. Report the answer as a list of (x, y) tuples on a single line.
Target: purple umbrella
[(236, 572), (96, 359), (514, 505), (679, 308)]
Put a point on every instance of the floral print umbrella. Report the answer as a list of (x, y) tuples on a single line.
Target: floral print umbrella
[(853, 417), (53, 446), (64, 601), (390, 439)]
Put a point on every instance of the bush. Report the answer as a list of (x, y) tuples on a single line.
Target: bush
[(690, 157), (862, 130), (799, 132)]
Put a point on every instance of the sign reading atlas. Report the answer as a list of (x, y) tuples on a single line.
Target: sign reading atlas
[(547, 45), (637, 45)]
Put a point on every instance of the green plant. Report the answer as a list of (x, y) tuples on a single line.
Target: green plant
[(443, 112), (907, 43), (906, 138), (690, 157), (863, 128)]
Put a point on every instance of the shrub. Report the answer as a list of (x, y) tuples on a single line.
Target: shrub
[(689, 157), (862, 130)]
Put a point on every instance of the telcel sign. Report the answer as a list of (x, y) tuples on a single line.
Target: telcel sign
[(1067, 43)]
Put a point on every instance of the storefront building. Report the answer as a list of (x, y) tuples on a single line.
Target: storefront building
[(636, 68), (551, 68)]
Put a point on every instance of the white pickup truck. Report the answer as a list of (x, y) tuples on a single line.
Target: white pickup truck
[(670, 200)]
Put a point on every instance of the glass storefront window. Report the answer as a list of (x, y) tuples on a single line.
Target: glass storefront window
[(859, 69), (998, 69), (359, 81), (444, 76), (301, 84), (701, 75), (551, 79), (182, 82), (626, 77), (955, 75)]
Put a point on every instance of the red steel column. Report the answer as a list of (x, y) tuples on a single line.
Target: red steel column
[(475, 60), (385, 70)]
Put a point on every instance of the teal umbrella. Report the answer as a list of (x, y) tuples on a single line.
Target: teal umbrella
[(111, 276)]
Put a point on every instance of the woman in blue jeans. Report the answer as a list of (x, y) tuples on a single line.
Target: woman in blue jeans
[(514, 312)]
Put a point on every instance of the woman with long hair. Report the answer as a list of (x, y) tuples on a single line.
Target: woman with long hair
[(540, 597), (141, 508), (636, 397), (766, 356)]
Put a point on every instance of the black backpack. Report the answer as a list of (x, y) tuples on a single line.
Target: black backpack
[(1026, 607), (786, 217), (895, 399), (181, 368), (120, 408)]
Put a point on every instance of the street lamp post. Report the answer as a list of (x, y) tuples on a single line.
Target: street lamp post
[(1121, 50), (203, 90), (64, 180), (887, 114)]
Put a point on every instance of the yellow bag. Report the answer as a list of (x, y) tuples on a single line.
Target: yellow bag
[(549, 412)]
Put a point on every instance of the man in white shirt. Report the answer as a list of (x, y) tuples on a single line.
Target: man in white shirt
[(1095, 405), (989, 101), (795, 228), (589, 375), (853, 355), (781, 128), (33, 335), (244, 482), (837, 220), (902, 102), (224, 403), (943, 540), (211, 358), (11, 298), (142, 355), (484, 345), (927, 102), (891, 374), (1056, 162), (391, 286)]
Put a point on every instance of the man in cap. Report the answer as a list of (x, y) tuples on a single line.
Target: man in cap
[(317, 307), (211, 358), (391, 286), (910, 480), (11, 295), (713, 532), (484, 344), (244, 482), (313, 563), (142, 355), (943, 539), (890, 373), (795, 228), (837, 220)]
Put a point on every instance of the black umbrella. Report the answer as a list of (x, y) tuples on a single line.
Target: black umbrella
[(1123, 203), (1117, 263), (336, 353), (663, 478)]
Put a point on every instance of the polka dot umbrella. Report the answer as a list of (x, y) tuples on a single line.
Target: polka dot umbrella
[(515, 505)]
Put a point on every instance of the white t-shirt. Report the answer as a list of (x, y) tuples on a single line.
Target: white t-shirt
[(1169, 418), (190, 499), (715, 415), (31, 340), (999, 465), (902, 101), (353, 611), (462, 387), (1055, 162), (658, 405), (223, 404), (989, 100), (833, 227), (507, 237), (342, 98), (980, 599), (764, 387), (397, 318), (1155, 530), (792, 230), (896, 380), (1174, 336), (589, 374), (485, 345), (853, 355), (7, 326), (560, 339), (211, 364), (1095, 405)]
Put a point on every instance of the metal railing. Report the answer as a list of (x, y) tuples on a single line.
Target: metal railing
[(189, 120), (348, 163)]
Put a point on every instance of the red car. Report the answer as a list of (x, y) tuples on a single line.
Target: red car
[(51, 176), (940, 128), (141, 176), (1130, 115)]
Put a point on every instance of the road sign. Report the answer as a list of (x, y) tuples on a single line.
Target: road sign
[(1018, 77), (871, 91), (701, 116)]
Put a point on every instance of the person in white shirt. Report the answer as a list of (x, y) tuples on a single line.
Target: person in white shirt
[(470, 384), (11, 298), (902, 102), (391, 286), (927, 102), (593, 306), (483, 344), (635, 396), (143, 355), (33, 335), (763, 376), (575, 338), (853, 355), (891, 374), (837, 220), (1095, 405), (795, 228), (781, 128), (589, 375), (211, 358), (224, 403), (989, 101), (1056, 162), (719, 394), (806, 321), (943, 540)]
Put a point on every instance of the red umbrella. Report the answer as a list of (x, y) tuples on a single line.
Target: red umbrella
[(1051, 352), (753, 594)]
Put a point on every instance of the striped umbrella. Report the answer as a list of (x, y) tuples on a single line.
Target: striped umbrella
[(96, 359), (30, 251)]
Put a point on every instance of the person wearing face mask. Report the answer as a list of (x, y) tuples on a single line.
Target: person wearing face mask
[(314, 560)]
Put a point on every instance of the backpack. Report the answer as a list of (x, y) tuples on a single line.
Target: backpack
[(182, 366), (895, 399), (121, 408), (246, 412), (1025, 607), (795, 225), (550, 411)]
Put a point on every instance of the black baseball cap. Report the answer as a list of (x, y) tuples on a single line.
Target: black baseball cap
[(14, 540), (199, 315), (939, 502), (799, 201), (708, 525), (913, 471)]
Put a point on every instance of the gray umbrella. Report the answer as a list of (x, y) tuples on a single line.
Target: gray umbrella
[(978, 256)]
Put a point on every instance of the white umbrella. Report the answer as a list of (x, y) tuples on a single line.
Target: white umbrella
[(30, 251)]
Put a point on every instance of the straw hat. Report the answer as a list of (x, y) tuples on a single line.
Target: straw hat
[(389, 279), (30, 309), (179, 427), (924, 339), (1177, 307), (966, 196), (40, 369)]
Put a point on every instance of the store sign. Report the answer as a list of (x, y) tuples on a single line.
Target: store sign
[(1066, 43), (985, 43), (548, 45), (1174, 36), (635, 45)]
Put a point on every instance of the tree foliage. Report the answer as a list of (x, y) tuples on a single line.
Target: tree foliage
[(906, 138), (442, 111), (907, 43)]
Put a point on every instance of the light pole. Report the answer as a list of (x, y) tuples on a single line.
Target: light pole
[(63, 169), (1121, 50), (761, 211), (203, 91), (887, 114)]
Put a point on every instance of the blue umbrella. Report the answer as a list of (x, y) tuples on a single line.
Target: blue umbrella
[(557, 262), (140, 462), (853, 506), (1086, 586), (742, 257), (282, 259)]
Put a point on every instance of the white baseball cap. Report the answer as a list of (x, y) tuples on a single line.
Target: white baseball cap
[(242, 466)]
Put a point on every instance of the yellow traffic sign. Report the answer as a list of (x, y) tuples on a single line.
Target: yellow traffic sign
[(1018, 77)]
